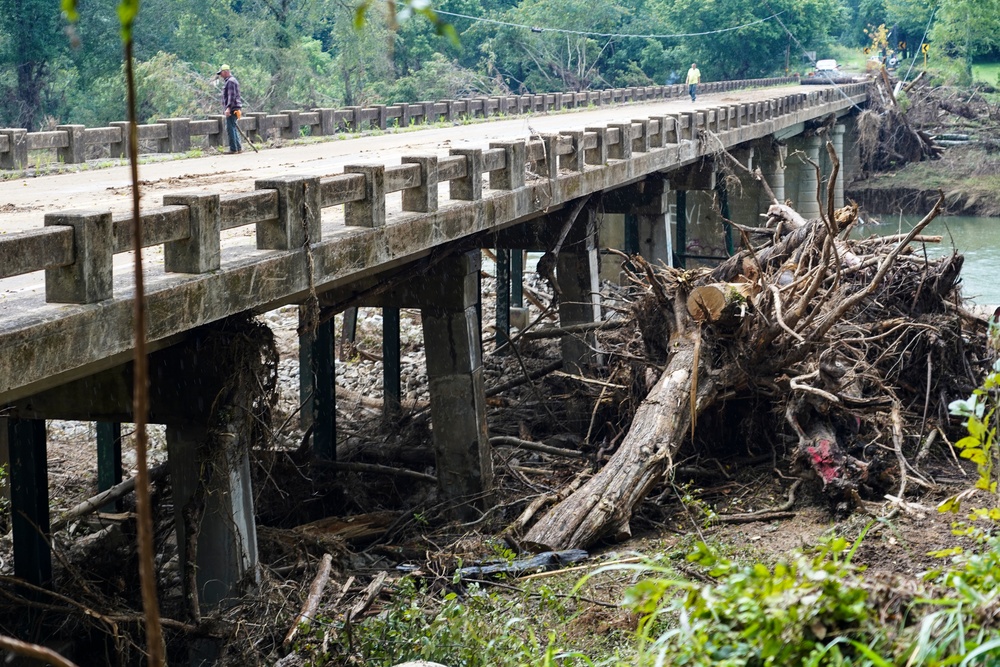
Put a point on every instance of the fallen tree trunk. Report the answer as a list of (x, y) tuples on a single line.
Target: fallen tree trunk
[(828, 347), (606, 501)]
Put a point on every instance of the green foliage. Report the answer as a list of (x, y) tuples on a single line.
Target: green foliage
[(757, 49), (752, 614), (474, 630), (967, 28), (980, 445)]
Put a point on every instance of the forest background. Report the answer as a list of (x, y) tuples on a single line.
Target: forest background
[(312, 53)]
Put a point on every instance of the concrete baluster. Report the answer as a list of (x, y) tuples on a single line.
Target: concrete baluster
[(621, 149), (511, 177), (355, 114), (119, 148), (327, 121), (201, 251), (424, 197), (294, 127), (178, 135), (641, 143), (599, 155), (370, 211), (469, 187), (89, 278), (575, 160), (16, 155), (76, 150), (299, 210)]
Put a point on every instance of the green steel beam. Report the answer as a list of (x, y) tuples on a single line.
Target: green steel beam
[(29, 500), (109, 459)]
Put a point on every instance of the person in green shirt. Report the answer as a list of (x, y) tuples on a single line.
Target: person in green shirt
[(693, 79)]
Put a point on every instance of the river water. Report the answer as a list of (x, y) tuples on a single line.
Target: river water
[(976, 238)]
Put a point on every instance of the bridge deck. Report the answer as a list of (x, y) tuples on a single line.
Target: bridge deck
[(45, 344)]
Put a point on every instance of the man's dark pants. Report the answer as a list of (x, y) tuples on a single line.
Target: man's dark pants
[(234, 135)]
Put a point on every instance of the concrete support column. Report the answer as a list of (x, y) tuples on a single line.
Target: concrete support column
[(850, 159), (744, 198), (454, 370), (29, 499), (807, 204), (837, 138), (210, 474), (201, 251), (75, 152), (577, 274), (89, 278), (771, 159), (392, 378), (654, 240)]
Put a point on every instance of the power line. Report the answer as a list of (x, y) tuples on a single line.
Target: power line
[(813, 60), (481, 19)]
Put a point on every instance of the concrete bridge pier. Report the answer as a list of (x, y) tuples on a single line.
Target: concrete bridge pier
[(837, 139), (806, 202), (743, 198), (199, 389), (213, 501), (770, 156), (577, 274), (655, 240), (449, 296), (700, 235)]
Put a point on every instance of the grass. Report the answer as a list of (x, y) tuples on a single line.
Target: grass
[(987, 73)]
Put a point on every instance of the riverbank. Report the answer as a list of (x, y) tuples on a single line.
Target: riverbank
[(969, 177)]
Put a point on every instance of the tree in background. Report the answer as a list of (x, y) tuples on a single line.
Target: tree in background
[(758, 48), (967, 28), (540, 58), (31, 38)]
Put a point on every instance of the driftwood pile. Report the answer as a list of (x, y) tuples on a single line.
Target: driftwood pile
[(888, 140), (848, 350)]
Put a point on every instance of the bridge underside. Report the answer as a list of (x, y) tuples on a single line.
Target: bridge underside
[(648, 187)]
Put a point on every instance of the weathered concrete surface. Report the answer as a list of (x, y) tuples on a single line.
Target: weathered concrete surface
[(43, 345)]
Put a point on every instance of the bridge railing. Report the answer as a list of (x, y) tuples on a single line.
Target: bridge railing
[(76, 248), (73, 143)]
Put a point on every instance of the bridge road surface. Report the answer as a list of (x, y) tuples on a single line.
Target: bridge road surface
[(25, 201)]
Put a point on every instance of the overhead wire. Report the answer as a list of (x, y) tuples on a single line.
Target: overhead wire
[(812, 60), (923, 39), (585, 33)]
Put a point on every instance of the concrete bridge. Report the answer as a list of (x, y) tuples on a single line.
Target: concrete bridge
[(404, 230)]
